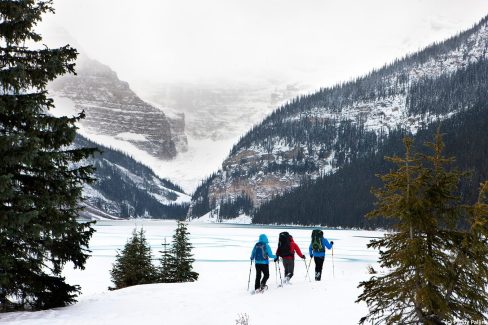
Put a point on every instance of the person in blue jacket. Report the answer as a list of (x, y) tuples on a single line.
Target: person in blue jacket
[(260, 254), (317, 251)]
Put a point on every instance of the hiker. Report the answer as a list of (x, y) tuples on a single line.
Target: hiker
[(286, 250), (317, 251), (260, 254)]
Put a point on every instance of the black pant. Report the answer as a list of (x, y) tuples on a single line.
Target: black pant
[(261, 268), (289, 266), (319, 264)]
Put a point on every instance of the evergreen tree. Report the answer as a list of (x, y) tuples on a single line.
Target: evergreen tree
[(41, 177), (181, 253), (437, 271), (133, 264), (167, 265)]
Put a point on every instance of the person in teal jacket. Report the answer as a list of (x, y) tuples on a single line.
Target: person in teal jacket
[(261, 253), (318, 253)]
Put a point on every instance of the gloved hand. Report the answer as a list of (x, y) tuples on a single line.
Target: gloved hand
[(332, 242), (303, 256), (311, 256), (276, 258)]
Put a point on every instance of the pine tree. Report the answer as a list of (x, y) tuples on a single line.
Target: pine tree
[(181, 252), (437, 271), (167, 265), (41, 176), (133, 265)]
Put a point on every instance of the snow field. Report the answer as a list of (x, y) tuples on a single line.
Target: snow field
[(222, 258)]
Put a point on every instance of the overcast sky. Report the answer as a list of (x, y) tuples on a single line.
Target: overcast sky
[(313, 42)]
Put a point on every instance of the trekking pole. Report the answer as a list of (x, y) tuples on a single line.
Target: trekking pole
[(308, 268), (276, 274), (304, 261), (249, 278), (279, 271)]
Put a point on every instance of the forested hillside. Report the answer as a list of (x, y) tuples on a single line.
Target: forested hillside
[(126, 188), (323, 133), (344, 198)]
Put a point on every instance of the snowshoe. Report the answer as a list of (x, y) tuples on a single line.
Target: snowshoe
[(261, 290), (287, 280)]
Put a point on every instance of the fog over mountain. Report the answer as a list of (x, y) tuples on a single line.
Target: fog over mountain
[(225, 65), (217, 41)]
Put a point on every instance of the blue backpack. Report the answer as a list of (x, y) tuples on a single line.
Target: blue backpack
[(260, 252)]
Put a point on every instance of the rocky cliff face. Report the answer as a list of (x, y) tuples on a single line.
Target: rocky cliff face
[(113, 109), (319, 133)]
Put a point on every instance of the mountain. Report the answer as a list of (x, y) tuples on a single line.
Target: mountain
[(216, 115), (126, 188), (114, 110), (175, 127), (342, 199), (317, 135)]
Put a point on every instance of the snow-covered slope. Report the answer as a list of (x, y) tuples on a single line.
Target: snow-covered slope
[(213, 301), (125, 188), (210, 217), (391, 111), (318, 133)]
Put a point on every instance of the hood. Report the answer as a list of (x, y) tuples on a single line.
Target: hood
[(263, 238)]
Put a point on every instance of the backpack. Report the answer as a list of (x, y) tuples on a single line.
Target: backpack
[(260, 252), (317, 236), (284, 245)]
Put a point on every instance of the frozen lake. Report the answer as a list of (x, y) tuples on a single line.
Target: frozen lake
[(226, 246)]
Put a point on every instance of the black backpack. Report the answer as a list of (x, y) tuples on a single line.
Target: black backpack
[(284, 247), (317, 236)]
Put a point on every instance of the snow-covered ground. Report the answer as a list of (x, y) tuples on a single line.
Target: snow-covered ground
[(222, 258)]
